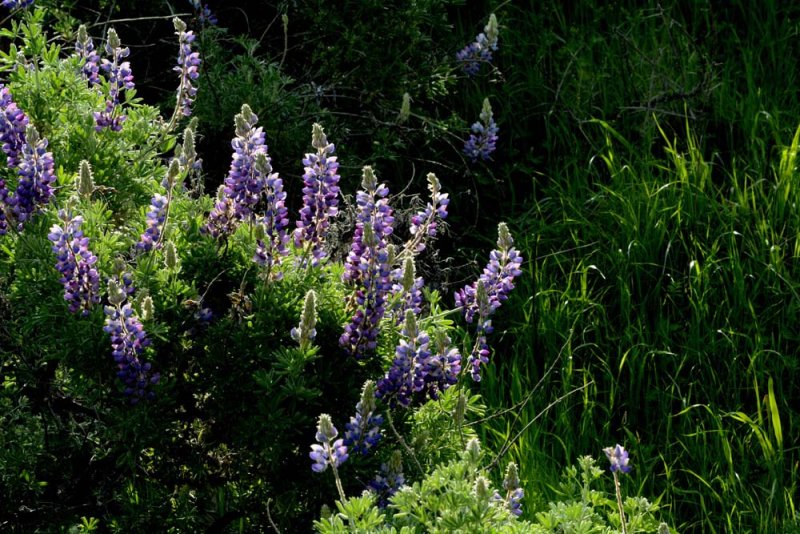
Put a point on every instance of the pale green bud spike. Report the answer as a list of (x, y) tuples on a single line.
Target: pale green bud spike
[(368, 397), (486, 111), (147, 308), (170, 255), (504, 239), (391, 254), (119, 265), (409, 274), (405, 108), (173, 171), (369, 236), (85, 180), (307, 330), (192, 124), (473, 451), (325, 427), (318, 138), (461, 409), (411, 324), (241, 125), (433, 184), (221, 192), (189, 151), (259, 231), (491, 30), (180, 26), (325, 512), (31, 135), (482, 488), (441, 341), (663, 528), (368, 180), (262, 163), (248, 115), (83, 35), (113, 38), (116, 296), (480, 295), (511, 481), (285, 22)]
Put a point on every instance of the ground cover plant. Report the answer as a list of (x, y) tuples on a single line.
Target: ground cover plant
[(499, 268)]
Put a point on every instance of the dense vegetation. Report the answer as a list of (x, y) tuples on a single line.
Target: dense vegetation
[(191, 341)]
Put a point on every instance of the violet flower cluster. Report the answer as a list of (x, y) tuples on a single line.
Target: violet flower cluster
[(424, 223), (204, 14), (88, 57), (329, 451), (187, 67), (388, 480), (367, 266), (272, 239), (119, 76), (618, 458), (320, 196), (482, 298), (17, 4), (13, 123), (478, 52), (244, 183), (159, 210), (76, 263), (513, 492), (406, 290), (128, 342), (36, 175), (363, 431), (483, 139), (406, 375)]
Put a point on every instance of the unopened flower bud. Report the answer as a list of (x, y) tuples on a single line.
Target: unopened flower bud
[(170, 256), (147, 309), (318, 138), (85, 180), (482, 488), (405, 108), (116, 296), (306, 331), (368, 180)]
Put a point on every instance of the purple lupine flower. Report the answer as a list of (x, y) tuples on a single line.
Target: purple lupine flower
[(442, 368), (483, 139), (514, 493), (367, 266), (204, 14), (271, 246), (17, 4), (330, 451), (618, 457), (320, 195), (88, 57), (188, 62), (119, 76), (128, 342), (156, 216), (482, 298), (3, 203), (363, 431), (35, 176), (244, 183), (407, 373), (13, 123), (388, 480), (478, 52), (76, 263), (424, 223)]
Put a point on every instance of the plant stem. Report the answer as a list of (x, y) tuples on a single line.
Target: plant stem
[(619, 503)]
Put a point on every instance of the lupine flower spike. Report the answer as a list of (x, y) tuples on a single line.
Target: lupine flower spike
[(478, 52), (272, 239), (407, 374), (36, 175), (367, 266), (128, 341), (618, 458), (407, 290), (482, 298), (204, 14), (88, 56), (306, 331), (329, 451), (13, 123), (513, 492), (17, 4), (159, 211), (119, 76), (424, 223), (388, 480), (483, 139), (363, 431), (187, 69), (320, 196), (76, 263)]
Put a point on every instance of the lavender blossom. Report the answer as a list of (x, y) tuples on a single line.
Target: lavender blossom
[(17, 4), (367, 266), (483, 297), (388, 480), (618, 457), (222, 220), (406, 290), (514, 493), (271, 246), (119, 76), (128, 341), (188, 62), (478, 52), (483, 139), (159, 210), (407, 373), (320, 195), (35, 176), (76, 263), (204, 14), (424, 223), (330, 451), (363, 431), (13, 123), (245, 183), (88, 57), (3, 202), (442, 368)]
